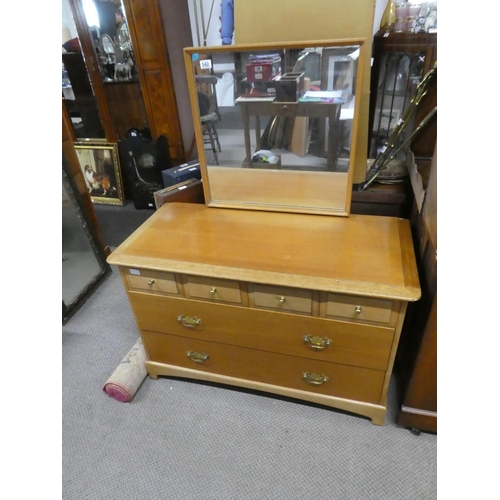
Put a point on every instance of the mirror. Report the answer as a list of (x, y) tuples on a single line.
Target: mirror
[(276, 125), (84, 264), (110, 36)]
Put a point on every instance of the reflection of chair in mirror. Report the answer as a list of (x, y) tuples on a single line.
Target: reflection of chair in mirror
[(209, 119), (206, 85)]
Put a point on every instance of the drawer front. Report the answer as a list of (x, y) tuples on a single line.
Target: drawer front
[(332, 379), (216, 290), (152, 281), (315, 338), (359, 308), (281, 298)]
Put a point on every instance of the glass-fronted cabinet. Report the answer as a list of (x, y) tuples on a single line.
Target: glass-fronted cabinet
[(400, 60)]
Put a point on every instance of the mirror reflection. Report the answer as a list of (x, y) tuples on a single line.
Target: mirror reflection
[(110, 35), (276, 124), (282, 109)]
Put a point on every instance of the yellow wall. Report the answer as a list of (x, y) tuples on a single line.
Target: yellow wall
[(292, 20)]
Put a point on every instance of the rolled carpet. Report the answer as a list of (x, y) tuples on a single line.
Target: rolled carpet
[(128, 376)]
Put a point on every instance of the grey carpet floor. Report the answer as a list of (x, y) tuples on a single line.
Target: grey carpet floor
[(181, 440)]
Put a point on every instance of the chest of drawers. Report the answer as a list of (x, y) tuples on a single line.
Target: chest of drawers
[(304, 306)]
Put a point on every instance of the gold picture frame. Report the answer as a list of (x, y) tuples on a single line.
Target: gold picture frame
[(101, 171)]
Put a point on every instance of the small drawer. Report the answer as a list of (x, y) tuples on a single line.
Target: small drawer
[(151, 281), (359, 308), (216, 290), (281, 298)]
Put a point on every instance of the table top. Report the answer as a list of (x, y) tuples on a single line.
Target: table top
[(359, 255)]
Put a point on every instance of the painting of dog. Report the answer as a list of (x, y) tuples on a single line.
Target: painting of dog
[(100, 166), (97, 181)]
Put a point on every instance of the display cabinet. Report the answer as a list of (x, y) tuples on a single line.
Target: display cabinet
[(400, 60), (125, 67)]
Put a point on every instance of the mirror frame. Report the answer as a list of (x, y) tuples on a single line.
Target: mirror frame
[(335, 202), (75, 199)]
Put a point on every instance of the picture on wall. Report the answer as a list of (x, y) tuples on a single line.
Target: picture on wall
[(100, 165)]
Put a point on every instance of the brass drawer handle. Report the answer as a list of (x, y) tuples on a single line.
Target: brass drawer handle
[(314, 378), (282, 299), (357, 309), (197, 357), (151, 282), (213, 290), (189, 321), (317, 343)]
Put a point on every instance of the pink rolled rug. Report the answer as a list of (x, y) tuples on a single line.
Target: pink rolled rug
[(128, 376)]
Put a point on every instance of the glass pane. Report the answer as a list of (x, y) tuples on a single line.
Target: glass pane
[(110, 35), (77, 92), (80, 267), (400, 74)]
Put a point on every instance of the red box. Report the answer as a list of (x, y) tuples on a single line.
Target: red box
[(259, 72)]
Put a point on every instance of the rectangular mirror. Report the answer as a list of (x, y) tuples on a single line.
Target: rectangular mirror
[(276, 124)]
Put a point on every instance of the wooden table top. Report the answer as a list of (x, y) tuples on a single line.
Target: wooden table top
[(359, 255)]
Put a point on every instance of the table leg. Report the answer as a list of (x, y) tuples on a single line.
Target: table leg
[(257, 133), (246, 134), (333, 139)]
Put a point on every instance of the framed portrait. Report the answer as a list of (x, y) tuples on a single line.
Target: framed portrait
[(100, 166)]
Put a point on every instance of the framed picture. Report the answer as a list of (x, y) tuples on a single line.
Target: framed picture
[(100, 165)]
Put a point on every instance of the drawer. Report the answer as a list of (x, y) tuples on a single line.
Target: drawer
[(321, 339), (216, 290), (359, 308), (152, 281), (333, 379), (281, 298)]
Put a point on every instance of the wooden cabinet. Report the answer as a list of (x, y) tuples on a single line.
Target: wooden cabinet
[(304, 306), (417, 355), (149, 102)]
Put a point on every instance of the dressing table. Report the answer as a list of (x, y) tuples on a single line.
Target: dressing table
[(290, 295)]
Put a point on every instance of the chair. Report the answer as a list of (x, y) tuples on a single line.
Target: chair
[(208, 124), (206, 84)]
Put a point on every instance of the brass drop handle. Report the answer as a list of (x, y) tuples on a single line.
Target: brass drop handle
[(197, 357), (357, 309), (282, 299), (317, 343), (189, 321), (213, 290), (151, 282), (314, 378)]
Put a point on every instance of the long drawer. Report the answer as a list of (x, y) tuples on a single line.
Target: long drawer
[(302, 336), (304, 374)]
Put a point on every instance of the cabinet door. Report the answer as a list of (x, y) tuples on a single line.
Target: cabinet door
[(155, 73), (92, 65), (400, 62)]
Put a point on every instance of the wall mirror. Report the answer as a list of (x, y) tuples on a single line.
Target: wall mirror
[(84, 265), (276, 124)]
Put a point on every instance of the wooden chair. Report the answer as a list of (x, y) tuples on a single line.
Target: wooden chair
[(209, 119)]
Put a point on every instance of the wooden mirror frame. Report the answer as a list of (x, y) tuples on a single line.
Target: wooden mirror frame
[(268, 189)]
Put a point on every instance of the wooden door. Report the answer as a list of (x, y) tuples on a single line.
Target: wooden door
[(155, 73)]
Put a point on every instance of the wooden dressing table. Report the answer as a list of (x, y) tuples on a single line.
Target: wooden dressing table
[(305, 306), (271, 285)]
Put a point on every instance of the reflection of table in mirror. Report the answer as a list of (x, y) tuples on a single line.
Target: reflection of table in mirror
[(266, 106)]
